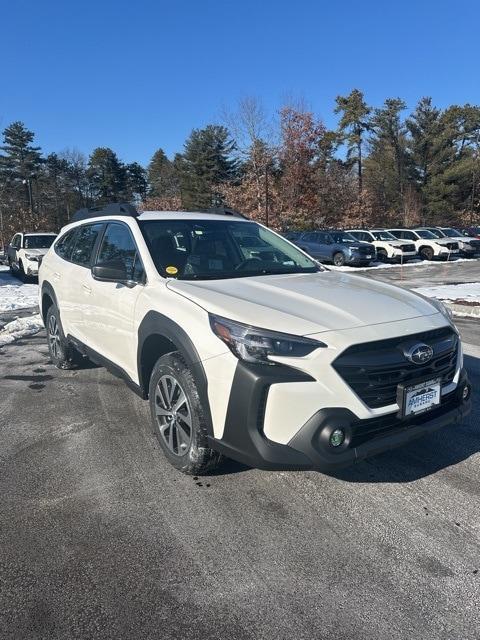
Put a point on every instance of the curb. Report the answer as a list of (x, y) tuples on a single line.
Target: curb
[(465, 310)]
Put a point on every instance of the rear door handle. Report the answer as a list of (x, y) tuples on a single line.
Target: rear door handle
[(86, 288)]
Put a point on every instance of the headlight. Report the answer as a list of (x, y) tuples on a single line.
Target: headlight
[(256, 345), (31, 257)]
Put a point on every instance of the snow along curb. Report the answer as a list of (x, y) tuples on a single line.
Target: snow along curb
[(463, 310), (20, 328)]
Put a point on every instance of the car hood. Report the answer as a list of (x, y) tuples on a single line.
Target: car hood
[(36, 252), (444, 240), (397, 243), (305, 303)]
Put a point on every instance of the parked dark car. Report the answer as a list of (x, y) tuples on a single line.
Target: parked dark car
[(472, 232), (338, 247), (293, 236)]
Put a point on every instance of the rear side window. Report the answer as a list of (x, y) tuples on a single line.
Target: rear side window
[(63, 247), (84, 243), (118, 246), (16, 241)]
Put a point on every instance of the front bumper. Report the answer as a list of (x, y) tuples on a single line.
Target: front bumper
[(243, 438), (359, 259)]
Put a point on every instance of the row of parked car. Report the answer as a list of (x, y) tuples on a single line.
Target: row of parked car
[(360, 247)]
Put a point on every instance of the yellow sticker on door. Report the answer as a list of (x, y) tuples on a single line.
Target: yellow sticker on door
[(172, 271)]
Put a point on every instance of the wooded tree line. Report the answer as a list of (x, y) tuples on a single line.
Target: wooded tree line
[(378, 167)]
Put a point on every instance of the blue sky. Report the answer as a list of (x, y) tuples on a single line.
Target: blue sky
[(141, 74)]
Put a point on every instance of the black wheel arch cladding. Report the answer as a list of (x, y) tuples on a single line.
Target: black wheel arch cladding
[(158, 335), (48, 291)]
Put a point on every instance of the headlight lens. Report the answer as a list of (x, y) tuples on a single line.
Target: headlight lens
[(252, 344)]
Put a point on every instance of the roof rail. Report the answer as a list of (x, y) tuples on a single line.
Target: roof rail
[(225, 211), (113, 209)]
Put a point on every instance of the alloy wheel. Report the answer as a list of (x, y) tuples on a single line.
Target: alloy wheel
[(174, 418), (54, 336)]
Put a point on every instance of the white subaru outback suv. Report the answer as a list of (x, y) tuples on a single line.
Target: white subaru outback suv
[(243, 345), (388, 247), (428, 245)]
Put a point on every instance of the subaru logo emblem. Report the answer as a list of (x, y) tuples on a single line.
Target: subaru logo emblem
[(419, 353)]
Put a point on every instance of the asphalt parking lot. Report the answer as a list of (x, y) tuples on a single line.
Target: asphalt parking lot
[(101, 538)]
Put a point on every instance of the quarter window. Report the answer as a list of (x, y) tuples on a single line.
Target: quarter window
[(63, 247), (84, 243), (119, 247)]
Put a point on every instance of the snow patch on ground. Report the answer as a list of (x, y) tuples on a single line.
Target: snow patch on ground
[(389, 265), (15, 294), (470, 292), (19, 328)]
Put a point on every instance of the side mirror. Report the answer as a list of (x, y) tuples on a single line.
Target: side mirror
[(112, 271)]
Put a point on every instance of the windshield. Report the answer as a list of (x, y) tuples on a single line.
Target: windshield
[(211, 249), (384, 235), (342, 237), (437, 233), (38, 242), (451, 233), (428, 235)]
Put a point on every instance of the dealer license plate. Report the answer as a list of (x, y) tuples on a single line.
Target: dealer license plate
[(421, 397)]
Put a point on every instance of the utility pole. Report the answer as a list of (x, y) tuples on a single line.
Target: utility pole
[(266, 196)]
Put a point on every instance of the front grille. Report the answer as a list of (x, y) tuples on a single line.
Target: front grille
[(475, 244), (407, 247), (453, 246), (375, 369), (366, 249)]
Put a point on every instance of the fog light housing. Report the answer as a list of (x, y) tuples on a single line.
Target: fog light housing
[(337, 437), (465, 392)]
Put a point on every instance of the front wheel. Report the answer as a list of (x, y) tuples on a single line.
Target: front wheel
[(339, 259), (61, 353), (21, 272), (426, 253), (178, 417)]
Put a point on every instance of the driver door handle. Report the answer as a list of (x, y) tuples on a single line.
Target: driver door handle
[(86, 289)]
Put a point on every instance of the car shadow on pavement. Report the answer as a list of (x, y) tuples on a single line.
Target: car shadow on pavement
[(427, 455)]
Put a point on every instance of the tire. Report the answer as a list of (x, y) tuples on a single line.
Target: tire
[(61, 352), (339, 259), (426, 253), (382, 255), (21, 272), (178, 417)]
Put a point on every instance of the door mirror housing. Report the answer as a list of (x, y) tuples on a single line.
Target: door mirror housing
[(112, 271)]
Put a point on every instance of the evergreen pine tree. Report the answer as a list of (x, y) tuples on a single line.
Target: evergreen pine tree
[(20, 163), (107, 176), (354, 122), (162, 176), (206, 164)]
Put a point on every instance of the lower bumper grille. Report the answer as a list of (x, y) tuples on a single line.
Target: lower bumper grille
[(375, 369), (408, 247), (365, 430)]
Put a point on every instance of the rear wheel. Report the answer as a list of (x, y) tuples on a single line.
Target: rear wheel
[(178, 417), (426, 253), (339, 259), (62, 353)]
